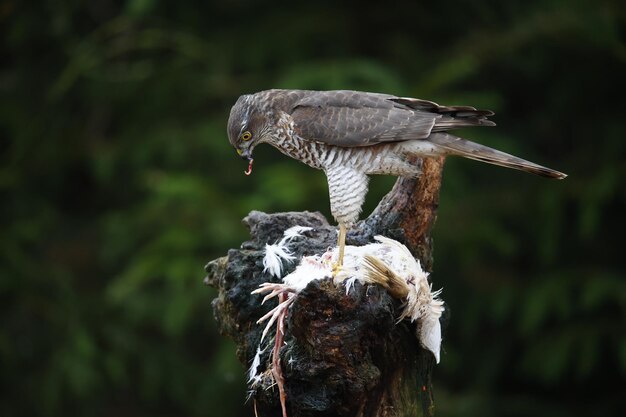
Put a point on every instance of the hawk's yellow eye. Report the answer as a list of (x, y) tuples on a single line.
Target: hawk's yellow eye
[(246, 135)]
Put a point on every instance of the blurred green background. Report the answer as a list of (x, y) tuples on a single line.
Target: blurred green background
[(117, 185)]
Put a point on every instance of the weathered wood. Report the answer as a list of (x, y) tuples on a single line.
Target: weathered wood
[(343, 354)]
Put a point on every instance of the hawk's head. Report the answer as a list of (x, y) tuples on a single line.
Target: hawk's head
[(247, 125)]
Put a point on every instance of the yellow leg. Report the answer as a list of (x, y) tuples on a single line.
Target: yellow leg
[(341, 243)]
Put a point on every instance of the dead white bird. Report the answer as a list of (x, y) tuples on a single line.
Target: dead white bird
[(387, 263)]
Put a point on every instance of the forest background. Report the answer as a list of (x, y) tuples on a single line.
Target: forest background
[(117, 185)]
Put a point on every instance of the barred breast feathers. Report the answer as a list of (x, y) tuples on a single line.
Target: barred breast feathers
[(347, 189)]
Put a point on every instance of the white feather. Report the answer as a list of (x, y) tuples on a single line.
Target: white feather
[(273, 259), (430, 335), (277, 253), (253, 375), (293, 232), (349, 283)]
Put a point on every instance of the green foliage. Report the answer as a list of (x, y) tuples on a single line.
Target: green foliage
[(118, 184)]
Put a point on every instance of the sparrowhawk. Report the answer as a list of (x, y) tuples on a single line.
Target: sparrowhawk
[(351, 134)]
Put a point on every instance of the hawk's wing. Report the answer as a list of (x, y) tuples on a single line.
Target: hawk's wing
[(352, 118)]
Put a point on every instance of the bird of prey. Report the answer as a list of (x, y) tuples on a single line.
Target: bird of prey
[(352, 134)]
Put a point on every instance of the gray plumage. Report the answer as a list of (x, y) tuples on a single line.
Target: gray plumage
[(350, 135)]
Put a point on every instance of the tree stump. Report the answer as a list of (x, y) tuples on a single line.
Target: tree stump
[(343, 354)]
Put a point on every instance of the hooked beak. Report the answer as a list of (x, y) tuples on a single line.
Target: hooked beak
[(245, 154)]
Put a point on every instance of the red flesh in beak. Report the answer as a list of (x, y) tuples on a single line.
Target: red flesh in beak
[(249, 171)]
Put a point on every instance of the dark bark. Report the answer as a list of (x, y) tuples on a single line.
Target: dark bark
[(344, 355)]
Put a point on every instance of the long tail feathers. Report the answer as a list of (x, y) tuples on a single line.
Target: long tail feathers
[(458, 146)]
